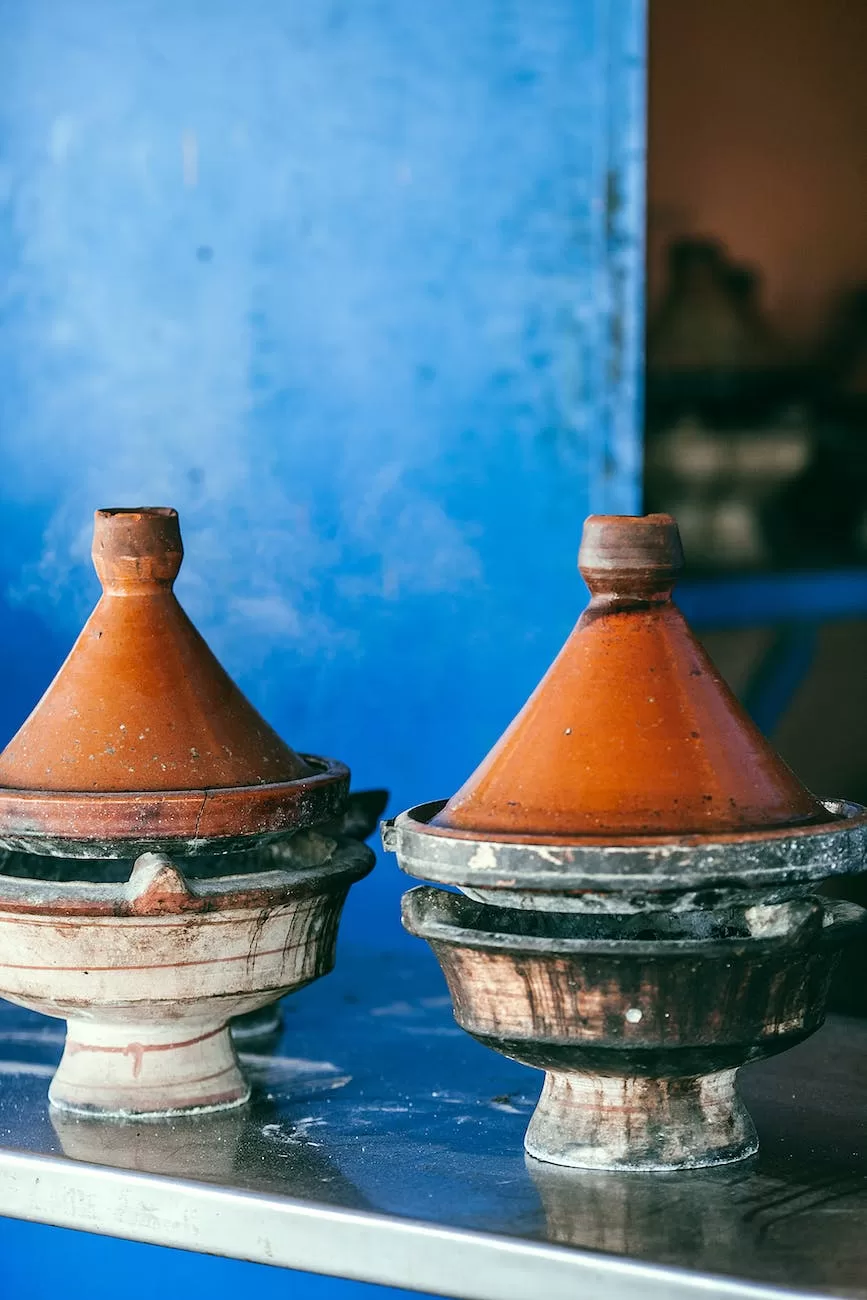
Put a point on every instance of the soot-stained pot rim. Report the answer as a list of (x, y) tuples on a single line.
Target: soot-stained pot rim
[(94, 824), (637, 865), (440, 917), (157, 887)]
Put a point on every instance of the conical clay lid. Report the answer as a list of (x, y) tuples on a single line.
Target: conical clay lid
[(141, 706), (632, 731)]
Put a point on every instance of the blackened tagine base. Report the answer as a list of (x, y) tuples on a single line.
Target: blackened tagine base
[(640, 1037)]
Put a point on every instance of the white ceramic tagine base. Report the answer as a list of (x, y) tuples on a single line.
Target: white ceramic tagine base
[(148, 974), (127, 1067), (640, 1036)]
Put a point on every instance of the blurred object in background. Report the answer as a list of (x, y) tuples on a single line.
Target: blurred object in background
[(763, 352), (845, 360), (821, 518), (727, 427), (709, 339)]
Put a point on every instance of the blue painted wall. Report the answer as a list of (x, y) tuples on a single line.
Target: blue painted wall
[(354, 284)]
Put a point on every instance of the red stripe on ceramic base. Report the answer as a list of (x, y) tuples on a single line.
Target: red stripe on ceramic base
[(146, 1069)]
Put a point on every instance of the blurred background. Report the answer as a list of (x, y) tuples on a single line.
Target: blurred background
[(755, 419), (756, 396)]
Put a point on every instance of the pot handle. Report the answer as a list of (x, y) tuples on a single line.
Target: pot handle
[(388, 831), (156, 886), (842, 922)]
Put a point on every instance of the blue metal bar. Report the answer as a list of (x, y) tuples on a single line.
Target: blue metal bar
[(780, 673), (756, 600)]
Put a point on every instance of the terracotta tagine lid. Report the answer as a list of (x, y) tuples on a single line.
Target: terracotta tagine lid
[(632, 731), (142, 732)]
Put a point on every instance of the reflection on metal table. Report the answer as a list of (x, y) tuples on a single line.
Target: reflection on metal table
[(383, 1144)]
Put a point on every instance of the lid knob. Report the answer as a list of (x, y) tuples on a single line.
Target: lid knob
[(630, 556), (137, 548)]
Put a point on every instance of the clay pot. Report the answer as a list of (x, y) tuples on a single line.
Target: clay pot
[(598, 874), (711, 320), (640, 1034), (632, 732), (636, 862), (148, 973), (142, 740), (632, 770), (142, 744)]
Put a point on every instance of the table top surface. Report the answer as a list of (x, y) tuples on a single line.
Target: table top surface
[(384, 1144)]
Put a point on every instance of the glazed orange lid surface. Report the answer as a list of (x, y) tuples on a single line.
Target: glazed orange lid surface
[(141, 706), (632, 731)]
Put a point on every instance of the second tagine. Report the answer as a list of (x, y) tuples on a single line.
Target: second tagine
[(638, 867)]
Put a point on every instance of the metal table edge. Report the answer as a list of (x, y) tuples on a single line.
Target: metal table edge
[(354, 1244)]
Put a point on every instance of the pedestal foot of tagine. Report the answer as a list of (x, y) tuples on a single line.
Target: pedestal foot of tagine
[(129, 1069), (601, 1122)]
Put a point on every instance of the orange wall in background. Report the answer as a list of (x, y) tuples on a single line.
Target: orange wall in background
[(758, 135)]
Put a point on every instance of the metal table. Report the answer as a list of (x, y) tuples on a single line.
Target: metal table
[(385, 1145)]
